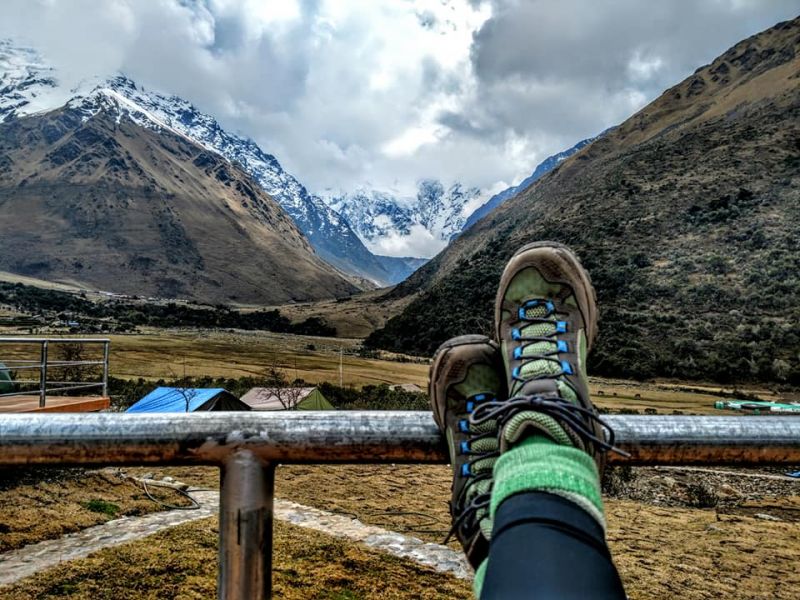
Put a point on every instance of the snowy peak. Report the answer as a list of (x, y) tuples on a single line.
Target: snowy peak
[(419, 225), (28, 85)]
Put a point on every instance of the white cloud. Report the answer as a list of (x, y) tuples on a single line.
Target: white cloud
[(418, 242), (350, 92)]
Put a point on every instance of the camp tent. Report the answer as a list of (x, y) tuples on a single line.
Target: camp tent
[(167, 399), (407, 387), (306, 398), (6, 383)]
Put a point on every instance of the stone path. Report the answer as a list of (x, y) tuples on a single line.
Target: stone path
[(441, 558), (30, 559)]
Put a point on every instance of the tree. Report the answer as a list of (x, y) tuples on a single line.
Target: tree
[(188, 395), (72, 353), (275, 382), (184, 386)]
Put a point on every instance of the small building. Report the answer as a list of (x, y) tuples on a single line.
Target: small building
[(168, 400), (288, 398)]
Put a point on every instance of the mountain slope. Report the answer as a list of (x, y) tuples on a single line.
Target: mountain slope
[(28, 85), (687, 216), (543, 167), (89, 195), (330, 235)]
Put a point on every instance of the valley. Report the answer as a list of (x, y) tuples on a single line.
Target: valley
[(129, 212)]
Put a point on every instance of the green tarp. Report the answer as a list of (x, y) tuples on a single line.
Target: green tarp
[(314, 401)]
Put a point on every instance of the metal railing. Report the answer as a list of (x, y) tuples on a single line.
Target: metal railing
[(45, 365), (247, 447)]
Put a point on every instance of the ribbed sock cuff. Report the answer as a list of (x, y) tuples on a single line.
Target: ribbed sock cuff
[(539, 464)]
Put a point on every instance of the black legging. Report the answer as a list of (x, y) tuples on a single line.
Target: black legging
[(546, 547)]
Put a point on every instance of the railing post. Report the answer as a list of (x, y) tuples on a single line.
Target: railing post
[(105, 369), (43, 376), (245, 528)]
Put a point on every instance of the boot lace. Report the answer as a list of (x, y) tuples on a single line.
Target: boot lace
[(538, 345), (477, 469), (579, 419)]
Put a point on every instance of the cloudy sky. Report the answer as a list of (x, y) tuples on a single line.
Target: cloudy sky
[(368, 93)]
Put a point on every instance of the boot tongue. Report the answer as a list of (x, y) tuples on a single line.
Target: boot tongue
[(533, 421), (546, 388)]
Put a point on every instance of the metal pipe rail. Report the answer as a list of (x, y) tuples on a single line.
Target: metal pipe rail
[(45, 362), (248, 446)]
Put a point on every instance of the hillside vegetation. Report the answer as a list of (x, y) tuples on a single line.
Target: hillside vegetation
[(687, 216)]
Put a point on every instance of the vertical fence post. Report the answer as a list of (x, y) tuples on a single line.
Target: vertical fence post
[(245, 528), (105, 369), (43, 375)]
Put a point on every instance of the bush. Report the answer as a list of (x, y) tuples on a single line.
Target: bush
[(117, 315), (103, 507)]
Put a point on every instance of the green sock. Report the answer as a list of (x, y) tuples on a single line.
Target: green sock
[(539, 464), (477, 583)]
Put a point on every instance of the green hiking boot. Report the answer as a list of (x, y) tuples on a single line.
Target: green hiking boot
[(546, 321), (467, 372)]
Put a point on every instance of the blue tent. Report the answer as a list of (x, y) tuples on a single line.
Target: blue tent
[(165, 399)]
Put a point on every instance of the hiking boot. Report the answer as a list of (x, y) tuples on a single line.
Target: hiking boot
[(546, 322), (467, 372)]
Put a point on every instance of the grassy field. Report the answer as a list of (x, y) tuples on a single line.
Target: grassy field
[(169, 354), (664, 547), (181, 563), (239, 354)]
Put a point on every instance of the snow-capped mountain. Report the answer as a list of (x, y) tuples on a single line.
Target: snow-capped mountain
[(543, 167), (418, 225), (28, 85)]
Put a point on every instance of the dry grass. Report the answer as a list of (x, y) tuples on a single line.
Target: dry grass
[(664, 397), (181, 563), (66, 501), (666, 553), (166, 354), (662, 552), (240, 354)]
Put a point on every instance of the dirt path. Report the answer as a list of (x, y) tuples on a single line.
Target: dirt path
[(33, 558)]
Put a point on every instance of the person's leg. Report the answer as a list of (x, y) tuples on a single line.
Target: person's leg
[(527, 457), (548, 539), (544, 546)]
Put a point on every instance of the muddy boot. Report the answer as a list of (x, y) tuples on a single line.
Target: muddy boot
[(467, 373)]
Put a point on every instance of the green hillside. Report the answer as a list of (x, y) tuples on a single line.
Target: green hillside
[(687, 216)]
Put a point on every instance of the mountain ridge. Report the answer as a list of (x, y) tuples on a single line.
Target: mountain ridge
[(686, 216), (100, 199), (29, 86)]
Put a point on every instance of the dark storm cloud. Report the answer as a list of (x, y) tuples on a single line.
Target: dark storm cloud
[(360, 92), (577, 66)]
